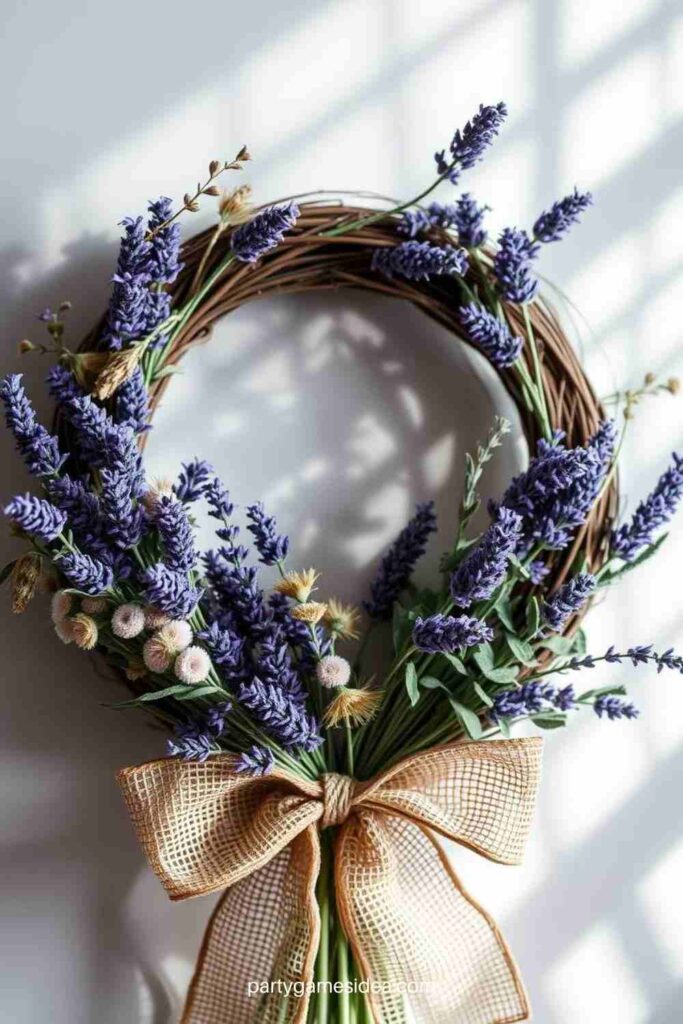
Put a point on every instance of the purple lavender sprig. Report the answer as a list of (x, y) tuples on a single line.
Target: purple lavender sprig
[(554, 223), (169, 591), (256, 761), (614, 708), (567, 600), (86, 573), (122, 515), (164, 250), (36, 516), (447, 634), (640, 654), (190, 744), (264, 232), (281, 717), (128, 314), (652, 513), (418, 261), (193, 480), (491, 335), (132, 403), (468, 219), (397, 564), (62, 385), (176, 534), (271, 546), (467, 146), (512, 266), (484, 567), (38, 448)]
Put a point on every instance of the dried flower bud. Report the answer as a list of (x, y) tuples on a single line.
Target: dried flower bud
[(297, 584), (212, 190), (64, 307), (25, 576), (135, 669), (61, 605), (243, 155), (84, 631), (128, 621), (342, 619), (119, 368), (156, 654), (333, 671), (650, 378), (94, 605), (25, 346), (673, 385), (214, 167), (235, 206), (190, 204)]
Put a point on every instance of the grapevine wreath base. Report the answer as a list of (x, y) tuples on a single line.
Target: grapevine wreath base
[(306, 260), (308, 792)]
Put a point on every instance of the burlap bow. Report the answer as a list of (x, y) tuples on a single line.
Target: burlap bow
[(418, 937)]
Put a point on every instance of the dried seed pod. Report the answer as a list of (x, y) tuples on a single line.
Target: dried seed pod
[(214, 168), (243, 155), (25, 576)]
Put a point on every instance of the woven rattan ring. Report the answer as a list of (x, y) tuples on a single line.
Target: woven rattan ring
[(310, 260)]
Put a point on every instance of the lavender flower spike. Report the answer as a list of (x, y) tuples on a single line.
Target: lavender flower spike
[(614, 708), (418, 261), (448, 633), (555, 222), (35, 516), (493, 336), (270, 545), (467, 146), (169, 591), (39, 450), (85, 573), (484, 568), (264, 232), (176, 535), (653, 512), (468, 219), (397, 565), (512, 265), (255, 761), (193, 480), (567, 600)]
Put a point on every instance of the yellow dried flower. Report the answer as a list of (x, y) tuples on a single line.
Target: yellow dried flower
[(25, 576), (673, 385), (311, 612), (87, 365), (297, 584), (119, 368), (84, 631), (353, 706), (342, 619)]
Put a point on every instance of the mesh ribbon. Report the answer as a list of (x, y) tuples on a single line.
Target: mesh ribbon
[(420, 940)]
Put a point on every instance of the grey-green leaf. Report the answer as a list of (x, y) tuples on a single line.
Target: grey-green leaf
[(469, 719), (411, 684)]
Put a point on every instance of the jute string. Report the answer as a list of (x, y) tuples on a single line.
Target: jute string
[(421, 941)]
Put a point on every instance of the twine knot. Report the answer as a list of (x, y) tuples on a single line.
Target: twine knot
[(337, 796)]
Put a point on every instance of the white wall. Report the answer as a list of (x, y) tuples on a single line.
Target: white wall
[(106, 105)]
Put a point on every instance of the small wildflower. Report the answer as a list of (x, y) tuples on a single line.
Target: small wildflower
[(128, 621), (333, 671), (156, 655), (61, 605), (311, 612), (84, 631), (176, 634), (25, 576), (64, 630), (341, 619), (192, 665), (297, 584), (355, 706)]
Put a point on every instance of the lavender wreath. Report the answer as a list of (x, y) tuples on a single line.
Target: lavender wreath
[(229, 668)]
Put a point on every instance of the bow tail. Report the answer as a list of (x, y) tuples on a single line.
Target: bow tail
[(265, 929), (417, 933)]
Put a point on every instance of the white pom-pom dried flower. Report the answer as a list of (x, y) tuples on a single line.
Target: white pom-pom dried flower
[(84, 631), (333, 671), (64, 630), (156, 654), (192, 665), (61, 606), (93, 605), (128, 621), (155, 619), (177, 634)]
